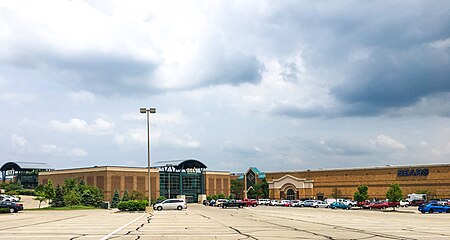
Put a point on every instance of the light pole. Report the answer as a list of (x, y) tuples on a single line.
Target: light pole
[(148, 111)]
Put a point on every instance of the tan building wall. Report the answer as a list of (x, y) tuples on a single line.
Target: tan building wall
[(131, 179), (217, 183), (377, 179), (108, 179)]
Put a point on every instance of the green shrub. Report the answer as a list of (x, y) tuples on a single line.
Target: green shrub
[(27, 192), (4, 210), (221, 196), (132, 205), (11, 192), (135, 195)]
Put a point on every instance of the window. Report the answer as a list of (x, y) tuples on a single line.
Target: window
[(290, 194)]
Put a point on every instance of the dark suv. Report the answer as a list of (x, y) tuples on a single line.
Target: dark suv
[(13, 207)]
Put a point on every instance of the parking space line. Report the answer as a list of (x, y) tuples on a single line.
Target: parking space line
[(124, 226)]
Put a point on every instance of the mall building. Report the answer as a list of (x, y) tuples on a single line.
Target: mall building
[(320, 184), (179, 178), (190, 179)]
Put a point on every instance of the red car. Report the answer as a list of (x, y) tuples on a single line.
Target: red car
[(251, 202), (376, 205), (394, 204)]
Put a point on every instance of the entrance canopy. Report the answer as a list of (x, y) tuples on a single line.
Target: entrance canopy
[(24, 166), (179, 165), (25, 173)]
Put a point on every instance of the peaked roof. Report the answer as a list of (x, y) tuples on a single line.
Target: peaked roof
[(25, 166)]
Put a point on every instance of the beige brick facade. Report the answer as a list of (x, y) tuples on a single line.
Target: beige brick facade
[(437, 181), (108, 179), (217, 183)]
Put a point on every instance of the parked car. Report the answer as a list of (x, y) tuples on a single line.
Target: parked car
[(219, 202), (251, 202), (178, 204), (349, 202), (285, 203), (274, 203), (298, 203), (433, 207), (13, 207), (404, 203), (308, 203), (8, 198), (376, 205), (263, 201), (340, 205), (320, 204), (393, 204), (234, 203), (416, 202)]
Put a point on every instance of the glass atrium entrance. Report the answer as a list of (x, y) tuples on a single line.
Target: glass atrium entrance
[(181, 178)]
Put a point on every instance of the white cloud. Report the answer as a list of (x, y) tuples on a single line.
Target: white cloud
[(16, 97), (77, 152), (18, 141), (50, 148), (100, 126), (166, 139), (388, 142), (82, 97)]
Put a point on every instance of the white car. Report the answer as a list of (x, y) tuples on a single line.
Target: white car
[(285, 203), (178, 204), (274, 202), (219, 202), (349, 203), (404, 203), (263, 201), (8, 198), (320, 204)]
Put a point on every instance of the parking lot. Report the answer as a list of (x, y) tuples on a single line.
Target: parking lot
[(201, 222)]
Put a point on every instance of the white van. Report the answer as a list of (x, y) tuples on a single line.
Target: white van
[(178, 204)]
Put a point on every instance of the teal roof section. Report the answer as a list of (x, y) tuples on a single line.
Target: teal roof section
[(260, 174)]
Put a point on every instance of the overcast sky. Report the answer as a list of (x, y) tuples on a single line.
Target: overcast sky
[(280, 85)]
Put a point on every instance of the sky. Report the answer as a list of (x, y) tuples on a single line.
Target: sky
[(279, 85)]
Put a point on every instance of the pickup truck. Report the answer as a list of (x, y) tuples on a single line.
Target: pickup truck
[(234, 203), (250, 202)]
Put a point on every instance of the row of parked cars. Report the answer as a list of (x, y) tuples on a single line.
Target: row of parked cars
[(11, 203), (423, 207)]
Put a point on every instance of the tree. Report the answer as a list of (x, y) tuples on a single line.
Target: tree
[(69, 185), (260, 190), (115, 200), (362, 194), (336, 193), (236, 187), (58, 201), (49, 191), (72, 198), (394, 193), (40, 196), (125, 196)]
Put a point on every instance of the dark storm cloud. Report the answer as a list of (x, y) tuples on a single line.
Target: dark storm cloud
[(233, 69), (94, 71), (375, 56), (396, 79)]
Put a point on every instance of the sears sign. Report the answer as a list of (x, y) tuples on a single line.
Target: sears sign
[(412, 172)]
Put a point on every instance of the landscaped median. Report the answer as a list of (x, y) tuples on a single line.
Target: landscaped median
[(75, 207), (132, 205)]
